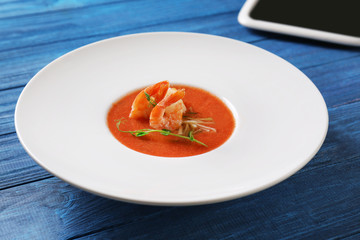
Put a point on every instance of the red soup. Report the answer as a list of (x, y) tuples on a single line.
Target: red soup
[(200, 104)]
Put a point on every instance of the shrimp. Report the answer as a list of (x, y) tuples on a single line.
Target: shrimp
[(141, 107), (168, 113)]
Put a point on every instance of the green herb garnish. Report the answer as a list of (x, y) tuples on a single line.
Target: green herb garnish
[(150, 100), (165, 132)]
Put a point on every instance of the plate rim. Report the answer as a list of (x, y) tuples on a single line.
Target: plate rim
[(169, 203)]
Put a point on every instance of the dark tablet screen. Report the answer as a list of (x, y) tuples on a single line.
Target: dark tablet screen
[(327, 15)]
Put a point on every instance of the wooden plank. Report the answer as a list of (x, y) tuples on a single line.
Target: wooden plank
[(19, 8), (55, 211), (16, 166), (321, 201), (53, 26), (304, 53), (337, 81), (8, 101)]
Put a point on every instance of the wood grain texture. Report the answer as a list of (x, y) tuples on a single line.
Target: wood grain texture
[(16, 166), (321, 201)]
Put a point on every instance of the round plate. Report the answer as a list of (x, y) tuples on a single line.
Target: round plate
[(281, 118)]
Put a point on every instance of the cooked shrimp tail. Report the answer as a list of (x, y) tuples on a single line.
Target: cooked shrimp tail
[(167, 114), (172, 98), (158, 90), (147, 99)]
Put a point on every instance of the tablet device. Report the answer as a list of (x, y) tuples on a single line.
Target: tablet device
[(326, 20)]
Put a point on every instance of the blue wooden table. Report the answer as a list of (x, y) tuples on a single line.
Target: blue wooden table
[(321, 201)]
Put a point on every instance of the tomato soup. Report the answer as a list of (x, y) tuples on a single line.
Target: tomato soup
[(202, 103)]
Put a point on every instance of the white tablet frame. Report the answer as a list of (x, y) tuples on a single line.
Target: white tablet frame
[(245, 19)]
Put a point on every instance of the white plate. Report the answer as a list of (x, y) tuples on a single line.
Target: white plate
[(281, 118)]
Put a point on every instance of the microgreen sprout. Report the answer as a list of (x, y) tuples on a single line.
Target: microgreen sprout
[(165, 132)]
